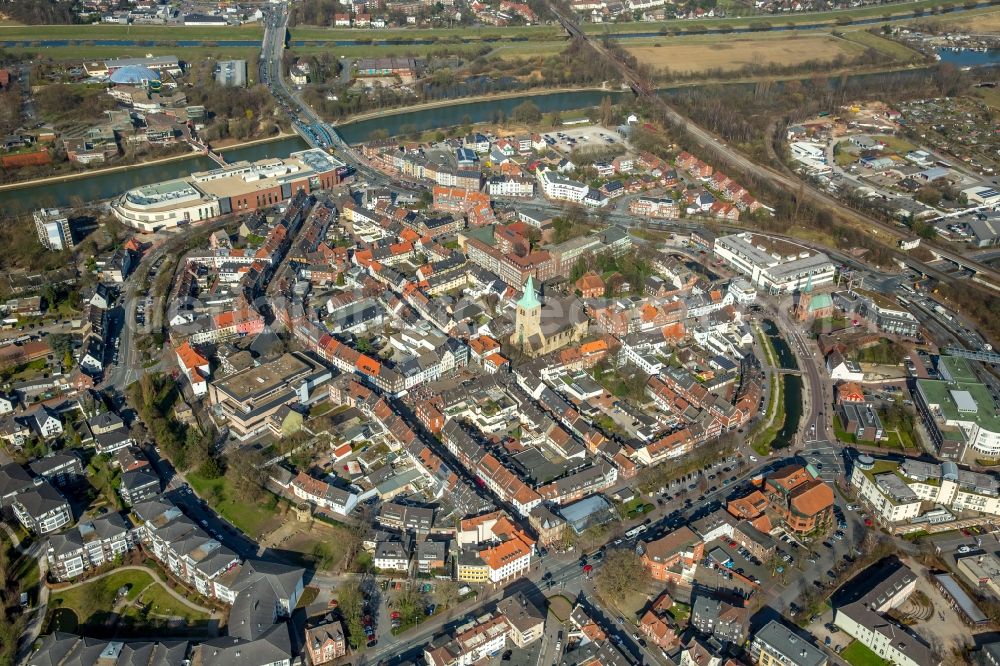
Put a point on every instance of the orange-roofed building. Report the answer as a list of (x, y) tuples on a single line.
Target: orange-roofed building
[(593, 351), (674, 332), (494, 363), (590, 285), (482, 346), (748, 508), (429, 416), (368, 365), (658, 629), (850, 392), (803, 501), (195, 368)]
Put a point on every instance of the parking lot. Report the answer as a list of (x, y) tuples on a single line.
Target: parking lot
[(571, 138)]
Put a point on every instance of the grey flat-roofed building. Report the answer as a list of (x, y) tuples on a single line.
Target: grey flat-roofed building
[(776, 265), (590, 511)]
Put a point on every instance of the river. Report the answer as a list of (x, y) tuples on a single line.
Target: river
[(108, 185)]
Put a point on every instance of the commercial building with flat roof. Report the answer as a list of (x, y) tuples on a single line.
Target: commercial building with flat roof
[(779, 266), (234, 188), (959, 412), (982, 571), (247, 399)]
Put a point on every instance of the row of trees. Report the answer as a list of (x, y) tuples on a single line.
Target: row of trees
[(40, 12)]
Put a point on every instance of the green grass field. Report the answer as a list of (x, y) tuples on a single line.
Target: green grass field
[(415, 50), (898, 51), (163, 605), (92, 603), (167, 33), (253, 519), (857, 654)]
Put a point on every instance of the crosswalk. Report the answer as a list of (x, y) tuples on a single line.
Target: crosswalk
[(826, 458)]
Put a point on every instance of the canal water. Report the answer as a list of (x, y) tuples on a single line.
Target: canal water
[(108, 185), (105, 186), (476, 112), (786, 359), (793, 411), (970, 58)]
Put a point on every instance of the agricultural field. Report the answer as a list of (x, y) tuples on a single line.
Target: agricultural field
[(701, 54)]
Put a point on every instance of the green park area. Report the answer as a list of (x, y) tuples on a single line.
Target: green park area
[(126, 601), (253, 518)]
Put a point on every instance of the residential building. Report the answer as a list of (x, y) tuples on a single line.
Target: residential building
[(714, 617), (525, 621), (139, 485), (776, 644), (559, 188), (862, 608), (42, 509), (471, 645), (323, 495), (88, 545), (414, 519), (325, 641), (62, 470), (53, 228), (897, 490), (391, 556), (658, 625), (861, 420), (674, 557)]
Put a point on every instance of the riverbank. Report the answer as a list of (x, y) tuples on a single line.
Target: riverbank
[(479, 99), (454, 107), (49, 180)]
